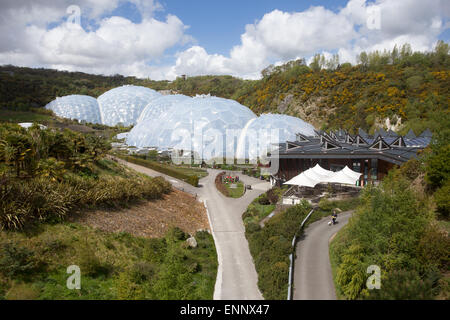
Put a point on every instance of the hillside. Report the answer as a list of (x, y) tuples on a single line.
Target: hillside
[(411, 89), (62, 202)]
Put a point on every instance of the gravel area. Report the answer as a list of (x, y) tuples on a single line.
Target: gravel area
[(150, 218)]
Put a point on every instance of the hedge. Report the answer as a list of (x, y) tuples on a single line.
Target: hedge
[(191, 179)]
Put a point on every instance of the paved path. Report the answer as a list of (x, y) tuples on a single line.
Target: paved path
[(236, 277), (312, 273)]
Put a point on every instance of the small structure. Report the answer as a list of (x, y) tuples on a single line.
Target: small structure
[(340, 184), (27, 125), (370, 155)]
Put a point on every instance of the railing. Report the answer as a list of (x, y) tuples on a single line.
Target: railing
[(291, 256)]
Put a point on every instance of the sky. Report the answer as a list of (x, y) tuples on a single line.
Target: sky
[(163, 39)]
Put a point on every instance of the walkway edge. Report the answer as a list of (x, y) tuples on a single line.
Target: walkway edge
[(218, 286)]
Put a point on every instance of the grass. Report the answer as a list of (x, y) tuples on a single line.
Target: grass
[(113, 265), (23, 116), (444, 225), (187, 174), (334, 263), (105, 184), (235, 192), (189, 171), (256, 212), (326, 207)]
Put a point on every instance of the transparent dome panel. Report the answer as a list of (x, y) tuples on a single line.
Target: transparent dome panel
[(259, 135), (159, 105), (78, 107), (206, 125), (124, 104)]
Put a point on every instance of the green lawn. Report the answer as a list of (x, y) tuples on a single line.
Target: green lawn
[(189, 170), (235, 192)]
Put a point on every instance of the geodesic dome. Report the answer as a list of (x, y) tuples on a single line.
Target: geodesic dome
[(76, 107), (260, 133), (196, 124), (124, 104), (159, 105)]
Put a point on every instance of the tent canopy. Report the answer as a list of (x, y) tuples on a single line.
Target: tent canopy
[(317, 174), (302, 180), (351, 173)]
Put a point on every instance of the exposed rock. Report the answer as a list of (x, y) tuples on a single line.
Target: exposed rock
[(283, 106), (192, 242), (311, 110)]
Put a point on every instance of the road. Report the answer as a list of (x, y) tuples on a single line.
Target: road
[(236, 277), (312, 271)]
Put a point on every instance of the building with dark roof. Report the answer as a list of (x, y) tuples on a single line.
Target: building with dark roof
[(372, 155)]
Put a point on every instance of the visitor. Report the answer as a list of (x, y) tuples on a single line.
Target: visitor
[(334, 217)]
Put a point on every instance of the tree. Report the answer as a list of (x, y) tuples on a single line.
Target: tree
[(267, 71), (333, 62), (318, 62), (363, 60)]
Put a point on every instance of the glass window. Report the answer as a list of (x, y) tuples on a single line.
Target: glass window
[(374, 169), (357, 166)]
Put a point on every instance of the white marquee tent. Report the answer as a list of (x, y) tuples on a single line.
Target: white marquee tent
[(317, 174)]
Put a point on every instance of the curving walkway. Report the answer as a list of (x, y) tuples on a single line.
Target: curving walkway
[(236, 277), (312, 273)]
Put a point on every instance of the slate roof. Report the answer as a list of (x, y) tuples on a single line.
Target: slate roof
[(383, 145)]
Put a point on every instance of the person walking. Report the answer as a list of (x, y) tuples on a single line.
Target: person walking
[(334, 217)]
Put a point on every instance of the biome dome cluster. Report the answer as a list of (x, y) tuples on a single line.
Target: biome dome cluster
[(76, 107), (210, 126), (270, 128), (119, 105), (124, 104), (196, 124)]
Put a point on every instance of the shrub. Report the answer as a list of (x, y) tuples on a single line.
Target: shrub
[(442, 199), (263, 200), (438, 167), (270, 247), (43, 199), (403, 285), (16, 261), (191, 179), (220, 186), (127, 289), (176, 234), (391, 230), (142, 271), (273, 195), (90, 264), (22, 291)]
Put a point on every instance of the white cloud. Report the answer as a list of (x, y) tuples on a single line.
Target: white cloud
[(118, 45), (282, 36)]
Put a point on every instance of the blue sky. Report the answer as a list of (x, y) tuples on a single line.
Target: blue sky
[(163, 39), (217, 25)]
